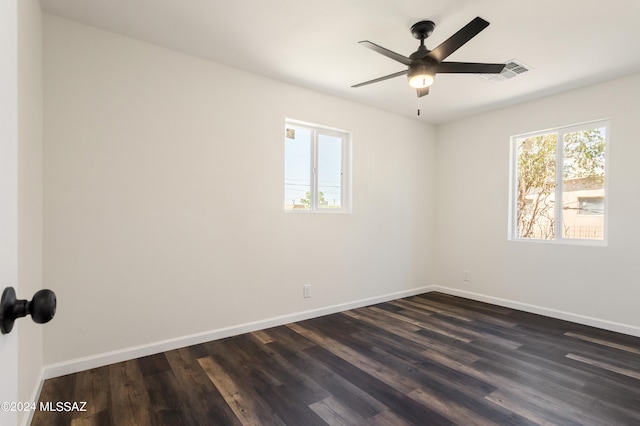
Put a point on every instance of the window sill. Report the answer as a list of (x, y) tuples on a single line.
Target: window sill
[(570, 242), (327, 211)]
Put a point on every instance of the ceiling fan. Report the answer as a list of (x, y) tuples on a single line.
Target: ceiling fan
[(423, 64)]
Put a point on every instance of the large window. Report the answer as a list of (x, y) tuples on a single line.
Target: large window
[(316, 175), (558, 184)]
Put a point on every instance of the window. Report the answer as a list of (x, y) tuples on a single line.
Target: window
[(566, 164), (316, 176)]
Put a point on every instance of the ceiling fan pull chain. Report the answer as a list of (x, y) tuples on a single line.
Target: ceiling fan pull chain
[(418, 106)]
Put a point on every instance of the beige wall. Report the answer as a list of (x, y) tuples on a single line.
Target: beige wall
[(163, 197), (588, 282)]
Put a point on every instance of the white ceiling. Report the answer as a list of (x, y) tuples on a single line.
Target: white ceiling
[(314, 43)]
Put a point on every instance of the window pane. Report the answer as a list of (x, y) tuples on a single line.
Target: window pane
[(583, 184), (536, 176), (329, 172), (297, 166)]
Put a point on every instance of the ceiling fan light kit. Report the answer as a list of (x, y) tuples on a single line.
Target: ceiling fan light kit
[(423, 64), (421, 76)]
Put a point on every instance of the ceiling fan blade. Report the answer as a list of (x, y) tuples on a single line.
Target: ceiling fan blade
[(422, 92), (469, 68), (454, 42), (386, 77), (386, 52)]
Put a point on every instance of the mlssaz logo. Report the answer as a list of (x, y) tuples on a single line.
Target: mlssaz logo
[(63, 406)]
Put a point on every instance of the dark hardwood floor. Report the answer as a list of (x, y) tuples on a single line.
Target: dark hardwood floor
[(425, 360)]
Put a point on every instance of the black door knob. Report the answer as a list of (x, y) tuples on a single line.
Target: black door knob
[(42, 308)]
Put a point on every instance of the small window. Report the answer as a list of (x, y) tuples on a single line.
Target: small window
[(591, 206), (316, 177), (558, 184)]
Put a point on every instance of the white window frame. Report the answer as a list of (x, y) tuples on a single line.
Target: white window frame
[(345, 182), (513, 183)]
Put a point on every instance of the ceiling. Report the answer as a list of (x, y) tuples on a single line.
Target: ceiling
[(314, 43)]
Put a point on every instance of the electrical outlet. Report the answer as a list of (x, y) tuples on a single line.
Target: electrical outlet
[(466, 275), (306, 290)]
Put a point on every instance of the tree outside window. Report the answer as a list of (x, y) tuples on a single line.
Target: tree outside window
[(555, 172)]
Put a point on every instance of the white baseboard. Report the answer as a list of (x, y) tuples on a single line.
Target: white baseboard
[(553, 313), (99, 360)]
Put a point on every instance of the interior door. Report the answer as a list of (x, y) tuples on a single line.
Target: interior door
[(8, 200)]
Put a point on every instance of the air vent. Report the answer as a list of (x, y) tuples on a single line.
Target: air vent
[(513, 68)]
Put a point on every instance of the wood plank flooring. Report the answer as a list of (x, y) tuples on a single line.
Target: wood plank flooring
[(431, 359)]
